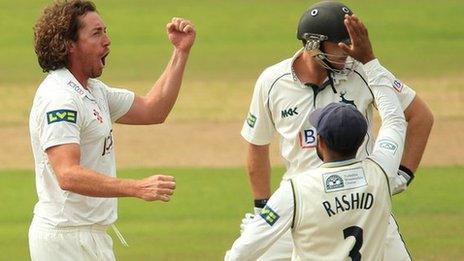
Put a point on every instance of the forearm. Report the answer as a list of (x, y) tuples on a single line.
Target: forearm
[(389, 144), (80, 180), (163, 95), (420, 122), (71, 176), (259, 171), (391, 115), (260, 181)]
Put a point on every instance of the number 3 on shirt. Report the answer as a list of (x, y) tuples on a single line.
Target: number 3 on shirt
[(357, 233)]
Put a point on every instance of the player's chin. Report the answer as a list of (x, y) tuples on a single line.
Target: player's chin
[(339, 65), (96, 73)]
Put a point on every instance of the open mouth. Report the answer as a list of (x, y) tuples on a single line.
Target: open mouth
[(103, 59)]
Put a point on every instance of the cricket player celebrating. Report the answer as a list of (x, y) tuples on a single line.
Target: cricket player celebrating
[(325, 71), (71, 132), (341, 209)]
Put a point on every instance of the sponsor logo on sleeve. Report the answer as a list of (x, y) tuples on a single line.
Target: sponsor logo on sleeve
[(269, 215), (251, 120), (61, 115), (398, 85), (388, 145)]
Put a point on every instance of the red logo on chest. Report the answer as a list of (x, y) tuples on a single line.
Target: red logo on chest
[(98, 116)]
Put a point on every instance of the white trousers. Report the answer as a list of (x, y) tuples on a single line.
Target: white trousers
[(395, 249), (86, 243)]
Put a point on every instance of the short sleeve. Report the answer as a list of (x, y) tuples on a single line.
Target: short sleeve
[(119, 102), (258, 127), (59, 120), (405, 94)]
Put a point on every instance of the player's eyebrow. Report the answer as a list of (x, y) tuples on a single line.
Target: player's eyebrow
[(99, 28)]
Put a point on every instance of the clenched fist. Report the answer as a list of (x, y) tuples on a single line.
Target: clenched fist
[(156, 187), (181, 33)]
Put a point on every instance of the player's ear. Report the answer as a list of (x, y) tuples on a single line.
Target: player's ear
[(71, 46), (320, 147), (320, 142)]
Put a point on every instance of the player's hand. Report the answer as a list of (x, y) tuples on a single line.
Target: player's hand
[(399, 184), (156, 187), (360, 48), (402, 182), (181, 33), (249, 218)]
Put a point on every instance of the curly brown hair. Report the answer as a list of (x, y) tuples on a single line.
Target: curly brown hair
[(58, 25)]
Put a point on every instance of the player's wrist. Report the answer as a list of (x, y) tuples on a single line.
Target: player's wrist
[(368, 58), (406, 173), (260, 203), (182, 52), (133, 188)]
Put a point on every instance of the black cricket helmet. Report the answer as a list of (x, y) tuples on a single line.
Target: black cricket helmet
[(323, 21)]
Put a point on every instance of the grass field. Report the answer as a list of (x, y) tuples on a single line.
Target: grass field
[(236, 39), (420, 41), (202, 220)]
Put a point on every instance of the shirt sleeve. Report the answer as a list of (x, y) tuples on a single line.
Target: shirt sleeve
[(59, 120), (404, 93), (388, 148), (258, 127), (119, 101), (273, 221)]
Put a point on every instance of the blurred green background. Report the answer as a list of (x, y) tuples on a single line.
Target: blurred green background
[(421, 41), (236, 39), (202, 220)]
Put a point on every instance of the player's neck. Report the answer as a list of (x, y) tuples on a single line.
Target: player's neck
[(79, 75), (332, 156), (309, 70)]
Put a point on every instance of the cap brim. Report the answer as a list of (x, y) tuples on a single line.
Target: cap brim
[(315, 117)]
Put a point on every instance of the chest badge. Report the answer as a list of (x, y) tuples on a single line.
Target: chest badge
[(344, 100), (97, 116)]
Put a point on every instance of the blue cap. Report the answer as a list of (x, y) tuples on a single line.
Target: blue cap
[(341, 125)]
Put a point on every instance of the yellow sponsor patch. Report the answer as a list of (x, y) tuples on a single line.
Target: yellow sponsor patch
[(61, 115), (269, 215)]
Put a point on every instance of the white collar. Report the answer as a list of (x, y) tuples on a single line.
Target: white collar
[(68, 79), (340, 163), (292, 71)]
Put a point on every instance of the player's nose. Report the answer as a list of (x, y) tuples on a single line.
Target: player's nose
[(106, 40)]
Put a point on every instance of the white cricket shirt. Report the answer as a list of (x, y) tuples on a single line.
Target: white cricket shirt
[(282, 104), (63, 112), (341, 210)]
